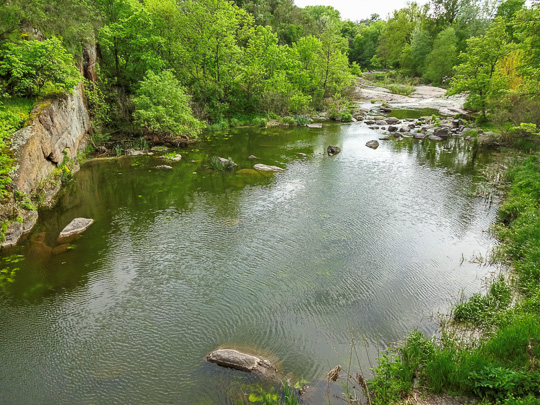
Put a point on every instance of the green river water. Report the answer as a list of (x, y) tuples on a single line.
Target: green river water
[(363, 246)]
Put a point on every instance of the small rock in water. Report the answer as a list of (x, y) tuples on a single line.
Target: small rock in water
[(434, 138), (372, 144), (267, 168), (242, 361), (225, 161), (392, 128), (73, 229), (302, 154), (314, 125), (252, 157), (333, 150), (164, 167)]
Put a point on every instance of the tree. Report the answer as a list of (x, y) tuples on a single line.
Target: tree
[(397, 33), (442, 58), (32, 66), (477, 72), (162, 107), (419, 51)]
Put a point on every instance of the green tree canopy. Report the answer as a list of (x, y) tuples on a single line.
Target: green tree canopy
[(162, 107)]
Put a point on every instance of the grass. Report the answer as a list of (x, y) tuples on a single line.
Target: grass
[(503, 365)]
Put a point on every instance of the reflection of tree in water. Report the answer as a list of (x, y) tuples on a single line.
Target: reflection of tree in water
[(454, 153)]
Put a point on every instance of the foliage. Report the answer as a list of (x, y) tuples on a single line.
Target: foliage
[(442, 58), (162, 107), (34, 68), (477, 72)]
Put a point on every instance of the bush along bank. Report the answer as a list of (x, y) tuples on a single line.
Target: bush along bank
[(502, 366)]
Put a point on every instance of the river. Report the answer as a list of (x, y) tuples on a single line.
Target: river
[(355, 249)]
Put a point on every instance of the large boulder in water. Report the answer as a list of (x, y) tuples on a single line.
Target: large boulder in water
[(74, 229), (333, 150), (242, 361)]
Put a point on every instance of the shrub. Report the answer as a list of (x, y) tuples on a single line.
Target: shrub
[(162, 107), (33, 67)]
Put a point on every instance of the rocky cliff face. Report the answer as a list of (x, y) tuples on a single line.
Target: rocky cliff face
[(58, 129)]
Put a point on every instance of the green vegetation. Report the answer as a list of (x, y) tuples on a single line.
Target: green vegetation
[(162, 107)]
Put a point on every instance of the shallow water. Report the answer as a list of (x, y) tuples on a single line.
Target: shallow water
[(363, 247)]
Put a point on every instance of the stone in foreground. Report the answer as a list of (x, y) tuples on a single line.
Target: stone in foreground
[(333, 150), (372, 144), (267, 168), (74, 229), (242, 361)]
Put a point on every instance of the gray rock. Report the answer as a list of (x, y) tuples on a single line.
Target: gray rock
[(385, 109), (369, 122), (242, 361), (225, 161), (420, 135), (404, 129), (302, 154), (163, 167), (442, 133), (380, 122), (392, 128), (74, 229), (373, 127), (314, 125), (434, 138), (372, 144), (384, 138), (392, 121), (333, 150), (266, 168), (132, 152), (252, 157), (13, 234)]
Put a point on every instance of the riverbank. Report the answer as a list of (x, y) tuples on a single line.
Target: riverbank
[(501, 362)]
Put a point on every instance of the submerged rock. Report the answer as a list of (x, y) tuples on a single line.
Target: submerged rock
[(392, 128), (314, 125), (242, 361), (434, 138), (252, 157), (74, 229), (267, 168), (333, 150), (302, 154), (249, 173), (163, 167), (372, 144)]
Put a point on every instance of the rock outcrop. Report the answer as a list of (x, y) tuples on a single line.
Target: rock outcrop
[(56, 131)]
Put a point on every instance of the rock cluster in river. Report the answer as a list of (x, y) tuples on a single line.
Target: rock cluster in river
[(74, 229)]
